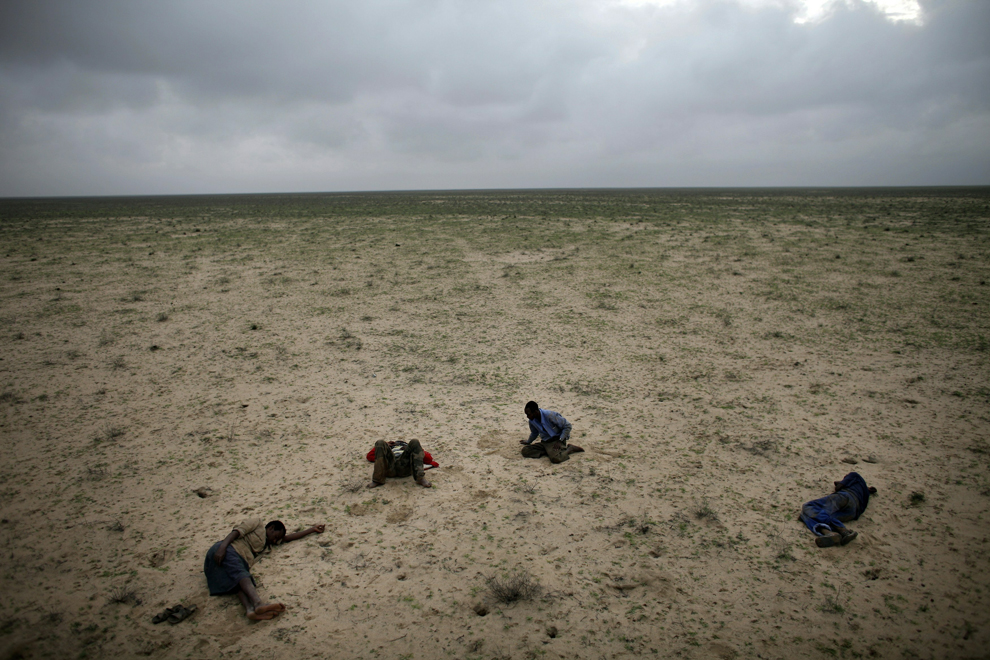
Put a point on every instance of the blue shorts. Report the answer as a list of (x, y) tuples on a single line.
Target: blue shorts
[(224, 579)]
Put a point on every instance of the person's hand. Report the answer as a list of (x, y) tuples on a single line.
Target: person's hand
[(219, 555), (318, 529)]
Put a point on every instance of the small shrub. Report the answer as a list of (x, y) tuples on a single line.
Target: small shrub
[(110, 432), (96, 473), (526, 488), (515, 587), (162, 317), (349, 341), (831, 605), (121, 595), (705, 511), (917, 498)]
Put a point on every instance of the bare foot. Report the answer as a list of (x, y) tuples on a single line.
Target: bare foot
[(254, 616), (374, 484), (424, 483), (273, 608)]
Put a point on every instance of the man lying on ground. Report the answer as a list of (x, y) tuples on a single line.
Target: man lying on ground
[(552, 430), (826, 515), (395, 460), (228, 563)]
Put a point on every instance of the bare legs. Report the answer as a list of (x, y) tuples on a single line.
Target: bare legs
[(256, 610)]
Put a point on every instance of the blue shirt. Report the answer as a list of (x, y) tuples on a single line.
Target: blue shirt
[(549, 424), (856, 485)]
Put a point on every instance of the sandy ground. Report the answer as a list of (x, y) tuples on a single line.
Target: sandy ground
[(723, 357)]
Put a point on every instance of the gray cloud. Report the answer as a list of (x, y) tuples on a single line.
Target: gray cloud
[(147, 97)]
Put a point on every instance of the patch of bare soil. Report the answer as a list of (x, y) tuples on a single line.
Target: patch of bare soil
[(170, 368)]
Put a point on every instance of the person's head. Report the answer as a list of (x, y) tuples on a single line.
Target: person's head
[(532, 410), (274, 533)]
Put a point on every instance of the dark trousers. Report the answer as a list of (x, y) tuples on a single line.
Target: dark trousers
[(555, 449), (829, 511), (387, 465)]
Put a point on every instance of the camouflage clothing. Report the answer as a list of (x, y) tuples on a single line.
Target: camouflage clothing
[(392, 465), (556, 450)]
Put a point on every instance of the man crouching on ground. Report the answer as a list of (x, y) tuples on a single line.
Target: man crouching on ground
[(552, 430), (395, 460)]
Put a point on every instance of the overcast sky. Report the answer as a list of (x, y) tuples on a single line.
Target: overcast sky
[(131, 97)]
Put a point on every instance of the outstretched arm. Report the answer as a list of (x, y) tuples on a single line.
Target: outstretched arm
[(222, 550), (294, 536)]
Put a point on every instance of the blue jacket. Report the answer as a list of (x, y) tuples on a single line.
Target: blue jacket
[(547, 425)]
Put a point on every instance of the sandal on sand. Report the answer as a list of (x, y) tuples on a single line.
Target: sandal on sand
[(181, 613), (828, 540), (164, 615)]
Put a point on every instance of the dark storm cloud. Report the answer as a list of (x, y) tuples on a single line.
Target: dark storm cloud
[(129, 97)]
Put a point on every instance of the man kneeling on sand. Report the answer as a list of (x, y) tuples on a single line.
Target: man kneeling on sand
[(552, 430), (825, 515), (395, 460)]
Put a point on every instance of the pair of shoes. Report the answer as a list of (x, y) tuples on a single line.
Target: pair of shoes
[(847, 535), (828, 540), (164, 615), (181, 613), (175, 614)]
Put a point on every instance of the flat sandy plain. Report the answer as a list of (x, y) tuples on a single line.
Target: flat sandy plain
[(724, 355)]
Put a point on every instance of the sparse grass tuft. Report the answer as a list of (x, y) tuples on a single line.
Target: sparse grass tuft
[(526, 487), (109, 432), (830, 604), (162, 317), (96, 473), (118, 363), (121, 595), (349, 341), (917, 498), (704, 511), (514, 587), (354, 486)]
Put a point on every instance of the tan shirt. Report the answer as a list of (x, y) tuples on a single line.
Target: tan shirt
[(251, 541)]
